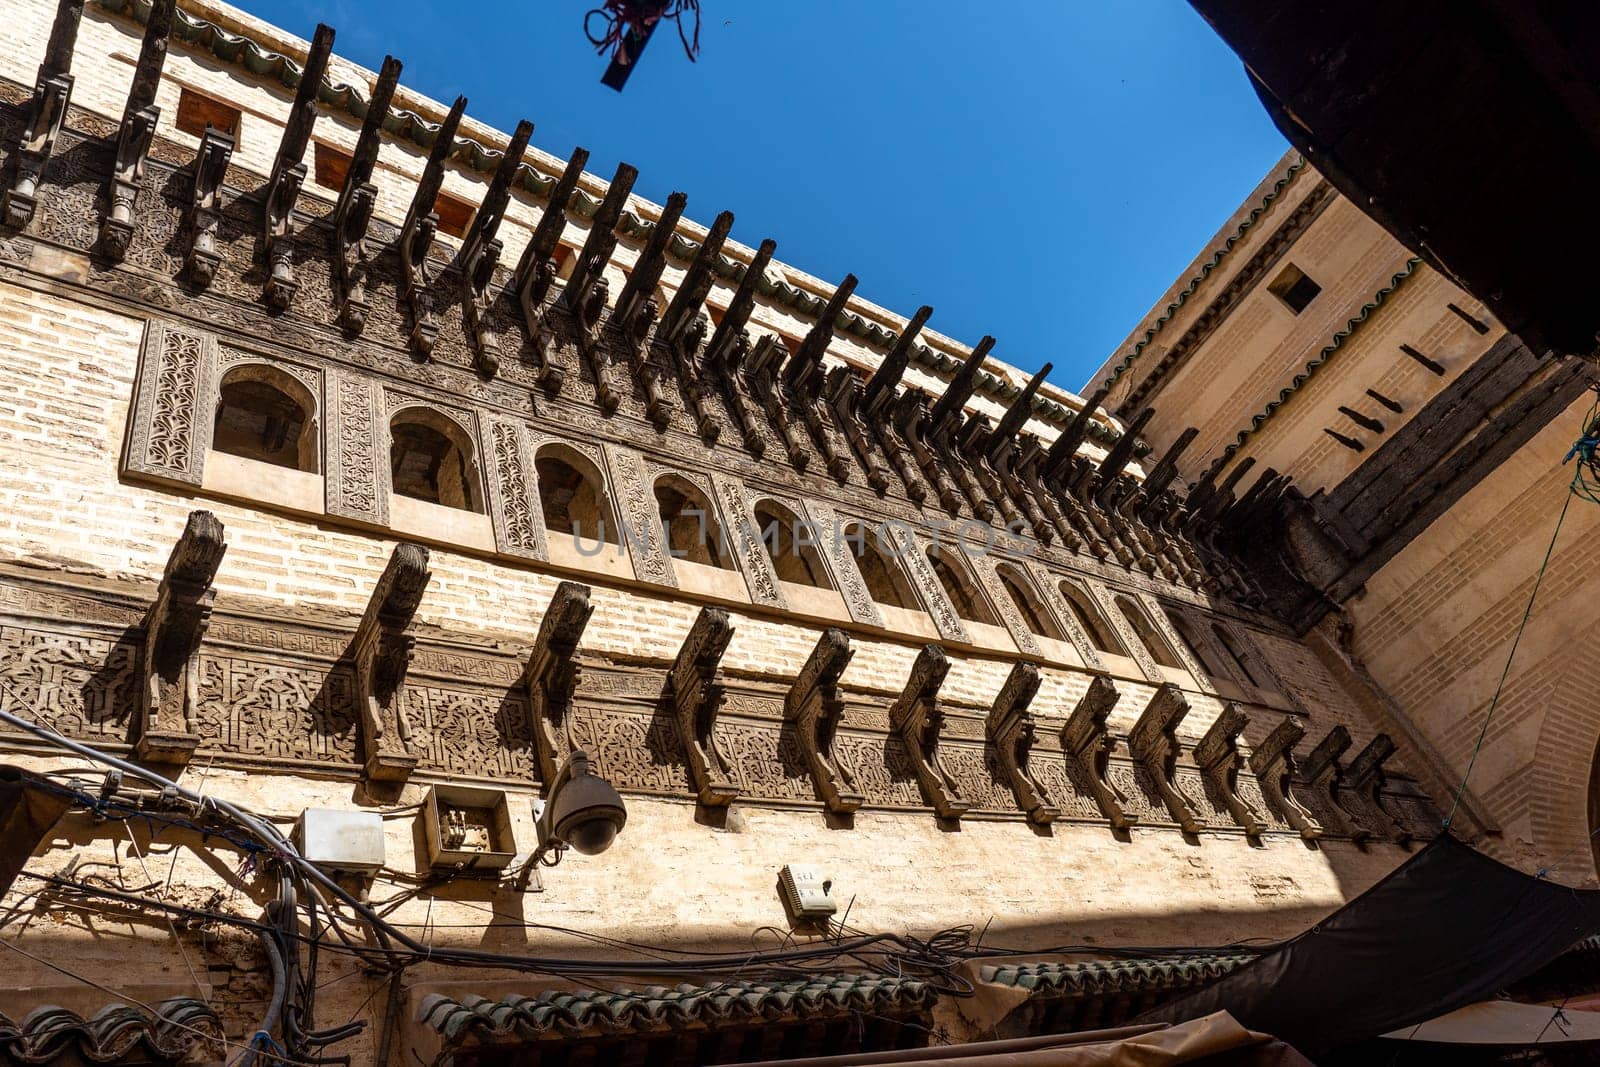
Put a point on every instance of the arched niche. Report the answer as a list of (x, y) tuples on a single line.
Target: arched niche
[(573, 496), (266, 415), (432, 458)]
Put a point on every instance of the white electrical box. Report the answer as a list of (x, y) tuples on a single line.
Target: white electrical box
[(806, 891), (337, 840)]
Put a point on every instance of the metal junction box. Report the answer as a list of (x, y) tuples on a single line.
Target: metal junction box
[(338, 840), (468, 827), (806, 891)]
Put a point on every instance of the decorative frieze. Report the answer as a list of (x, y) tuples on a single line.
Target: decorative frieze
[(356, 482), (513, 490)]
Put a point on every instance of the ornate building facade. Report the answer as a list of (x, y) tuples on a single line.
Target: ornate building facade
[(368, 461)]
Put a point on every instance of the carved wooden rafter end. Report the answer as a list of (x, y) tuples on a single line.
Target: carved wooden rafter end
[(1154, 744), (916, 719), (1273, 762), (1087, 744), (1011, 729), (1220, 760)]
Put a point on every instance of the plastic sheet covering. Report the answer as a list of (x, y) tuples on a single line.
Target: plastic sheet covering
[(27, 812), (1445, 929)]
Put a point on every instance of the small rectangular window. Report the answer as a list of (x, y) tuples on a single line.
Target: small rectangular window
[(455, 214), (329, 167), (196, 111), (1294, 288)]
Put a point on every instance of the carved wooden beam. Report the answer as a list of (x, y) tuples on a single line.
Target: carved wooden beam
[(697, 695), (696, 283), (1121, 453), (1273, 762), (1366, 778), (880, 388), (1065, 447), (416, 236), (47, 110), (381, 653), (165, 730), (552, 674), (1323, 775), (1154, 745), (1010, 728), (814, 706), (205, 206), (916, 719), (1166, 470), (737, 316), (1087, 745), (138, 127), (946, 416), (641, 283), (353, 213), (587, 290), (289, 174), (1004, 435), (536, 272), (1218, 757), (803, 372), (480, 253)]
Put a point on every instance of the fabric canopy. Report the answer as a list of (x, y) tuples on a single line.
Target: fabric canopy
[(1445, 929)]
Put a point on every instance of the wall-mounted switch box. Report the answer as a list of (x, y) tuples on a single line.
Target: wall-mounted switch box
[(468, 827), (806, 891), (338, 840)]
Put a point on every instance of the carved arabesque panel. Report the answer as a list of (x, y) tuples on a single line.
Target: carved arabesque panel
[(356, 477), (169, 429), (1049, 585), (842, 562), (982, 564), (631, 481), (1158, 618), (739, 527), (513, 494)]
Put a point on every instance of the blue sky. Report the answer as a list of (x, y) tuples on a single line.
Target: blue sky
[(1039, 170)]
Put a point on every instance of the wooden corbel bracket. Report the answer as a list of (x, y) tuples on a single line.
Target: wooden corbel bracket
[(813, 705), (1323, 776), (1219, 760), (289, 175), (47, 111), (552, 674), (138, 128), (697, 694), (1010, 728), (1087, 745), (1154, 745), (1273, 762), (480, 254), (416, 237), (916, 719), (166, 730), (381, 653), (357, 199)]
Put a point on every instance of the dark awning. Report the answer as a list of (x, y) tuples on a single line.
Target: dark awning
[(1445, 929), (1470, 129)]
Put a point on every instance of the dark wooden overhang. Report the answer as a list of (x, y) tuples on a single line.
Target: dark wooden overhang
[(720, 1022), (1470, 129)]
